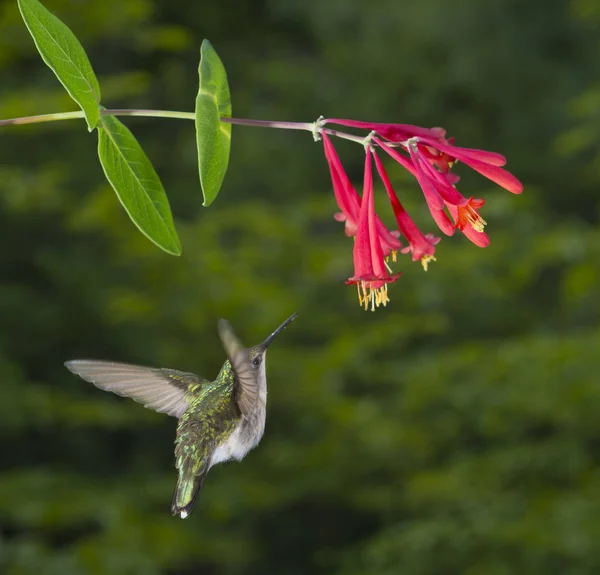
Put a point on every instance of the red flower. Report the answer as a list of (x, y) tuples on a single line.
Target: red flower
[(435, 203), (429, 156), (486, 163), (370, 270), (349, 201), (468, 214), (392, 132), (345, 195), (477, 236), (422, 247)]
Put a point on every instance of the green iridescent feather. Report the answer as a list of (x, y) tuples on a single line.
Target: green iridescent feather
[(210, 419)]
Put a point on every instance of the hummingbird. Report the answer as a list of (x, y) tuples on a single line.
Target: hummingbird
[(219, 420)]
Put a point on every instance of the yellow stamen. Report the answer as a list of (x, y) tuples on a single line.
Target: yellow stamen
[(476, 221), (373, 297), (362, 297), (425, 261), (381, 296)]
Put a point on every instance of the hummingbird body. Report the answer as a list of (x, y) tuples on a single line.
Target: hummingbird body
[(219, 420), (212, 430)]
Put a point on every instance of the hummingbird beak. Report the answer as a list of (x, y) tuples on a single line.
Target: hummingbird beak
[(270, 339)]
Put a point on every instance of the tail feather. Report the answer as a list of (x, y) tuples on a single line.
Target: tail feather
[(186, 493)]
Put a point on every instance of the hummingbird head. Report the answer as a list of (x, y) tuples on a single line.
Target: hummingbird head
[(258, 352), (249, 366), (239, 357)]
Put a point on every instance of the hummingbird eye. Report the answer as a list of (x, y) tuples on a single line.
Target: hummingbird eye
[(256, 361)]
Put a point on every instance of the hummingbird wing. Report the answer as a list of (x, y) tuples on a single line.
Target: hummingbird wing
[(164, 390), (247, 389)]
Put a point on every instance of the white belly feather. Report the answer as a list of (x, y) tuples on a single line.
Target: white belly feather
[(249, 431), (245, 437)]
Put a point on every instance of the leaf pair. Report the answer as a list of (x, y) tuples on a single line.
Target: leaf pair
[(126, 166)]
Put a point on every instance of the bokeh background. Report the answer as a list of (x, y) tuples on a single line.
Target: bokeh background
[(455, 432)]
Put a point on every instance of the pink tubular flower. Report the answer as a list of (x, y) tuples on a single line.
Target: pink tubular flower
[(486, 163), (345, 195), (370, 271), (421, 246), (435, 203), (476, 235), (429, 156), (349, 201), (392, 132)]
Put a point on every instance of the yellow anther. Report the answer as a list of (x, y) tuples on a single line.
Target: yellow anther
[(368, 296), (425, 261), (476, 221)]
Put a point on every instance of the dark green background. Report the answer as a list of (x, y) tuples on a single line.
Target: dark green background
[(456, 431)]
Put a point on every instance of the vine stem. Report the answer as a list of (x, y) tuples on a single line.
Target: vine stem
[(103, 112), (306, 126)]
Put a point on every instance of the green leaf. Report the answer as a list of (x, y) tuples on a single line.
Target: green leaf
[(213, 137), (136, 183), (65, 56)]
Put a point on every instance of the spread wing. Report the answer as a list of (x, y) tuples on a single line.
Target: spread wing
[(247, 382), (163, 390)]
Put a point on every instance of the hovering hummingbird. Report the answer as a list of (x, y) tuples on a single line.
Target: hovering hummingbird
[(219, 420)]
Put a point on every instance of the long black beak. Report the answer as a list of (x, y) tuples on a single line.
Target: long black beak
[(270, 339)]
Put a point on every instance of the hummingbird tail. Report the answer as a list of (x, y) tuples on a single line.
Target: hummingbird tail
[(186, 493)]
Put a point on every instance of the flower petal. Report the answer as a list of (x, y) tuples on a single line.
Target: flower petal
[(345, 195), (442, 220), (448, 193), (419, 245), (492, 158), (480, 239), (389, 242), (498, 175), (377, 261), (488, 168), (432, 196), (404, 162), (394, 132)]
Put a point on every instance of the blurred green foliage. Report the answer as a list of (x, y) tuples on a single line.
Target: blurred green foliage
[(456, 431)]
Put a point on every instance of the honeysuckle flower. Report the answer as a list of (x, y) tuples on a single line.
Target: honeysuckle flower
[(433, 199), (468, 214), (391, 132), (370, 271), (477, 236), (346, 197), (431, 239), (421, 246), (429, 156), (442, 149), (349, 201)]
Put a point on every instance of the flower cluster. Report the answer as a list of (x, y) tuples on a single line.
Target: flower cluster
[(429, 156)]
